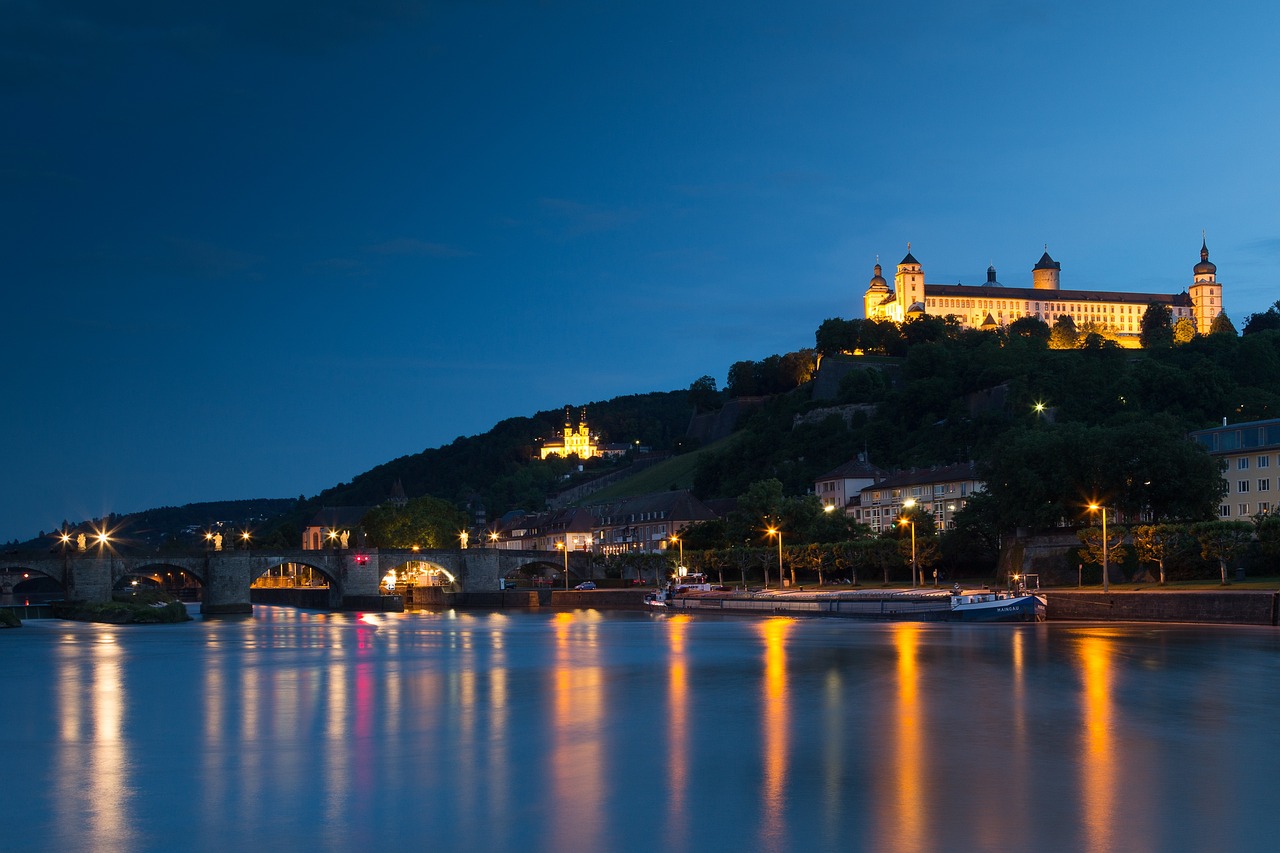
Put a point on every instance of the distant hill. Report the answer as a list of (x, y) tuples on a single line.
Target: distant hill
[(178, 526)]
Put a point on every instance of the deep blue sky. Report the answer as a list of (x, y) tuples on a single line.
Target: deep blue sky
[(256, 251)]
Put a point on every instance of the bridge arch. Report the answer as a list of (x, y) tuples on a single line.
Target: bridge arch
[(284, 572), (416, 571), (179, 580), (18, 578)]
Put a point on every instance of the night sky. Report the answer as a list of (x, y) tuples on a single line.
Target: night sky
[(256, 251)]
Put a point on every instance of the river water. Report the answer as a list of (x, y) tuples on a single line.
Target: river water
[(604, 731)]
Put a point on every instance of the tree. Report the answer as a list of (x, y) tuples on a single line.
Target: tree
[(426, 522), (1157, 326), (1032, 328), (703, 395), (1184, 331), (1222, 540), (1064, 334), (1222, 325), (1154, 542), (1263, 321), (1092, 550), (1268, 533)]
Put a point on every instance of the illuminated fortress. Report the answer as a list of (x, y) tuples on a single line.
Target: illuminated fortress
[(991, 305)]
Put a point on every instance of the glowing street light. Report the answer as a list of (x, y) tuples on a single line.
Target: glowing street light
[(773, 531), (1106, 582), (908, 505), (563, 547), (493, 538), (680, 542), (1038, 408)]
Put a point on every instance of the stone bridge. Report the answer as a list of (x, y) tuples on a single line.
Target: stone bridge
[(225, 577)]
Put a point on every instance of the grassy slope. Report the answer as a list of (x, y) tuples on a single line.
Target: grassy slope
[(676, 471)]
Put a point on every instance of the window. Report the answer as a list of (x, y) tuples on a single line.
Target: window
[(1242, 486), (1264, 461), (1264, 485), (1242, 464), (1224, 511), (1244, 510), (1264, 506)]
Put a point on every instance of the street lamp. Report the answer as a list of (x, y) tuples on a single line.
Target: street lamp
[(245, 536), (1106, 582), (493, 538), (680, 542), (773, 531), (908, 505), (563, 547)]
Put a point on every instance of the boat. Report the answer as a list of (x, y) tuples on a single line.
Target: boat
[(985, 605), (1019, 603)]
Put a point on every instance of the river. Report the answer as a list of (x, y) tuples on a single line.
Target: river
[(628, 731)]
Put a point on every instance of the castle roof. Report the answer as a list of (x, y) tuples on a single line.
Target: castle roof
[(1036, 295), (1205, 267), (1047, 263)]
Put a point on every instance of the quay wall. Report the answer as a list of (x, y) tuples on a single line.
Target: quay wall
[(1251, 607)]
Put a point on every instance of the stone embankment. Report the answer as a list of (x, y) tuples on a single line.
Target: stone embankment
[(1246, 607)]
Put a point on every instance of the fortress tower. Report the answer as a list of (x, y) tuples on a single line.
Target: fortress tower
[(1206, 291), (1044, 275)]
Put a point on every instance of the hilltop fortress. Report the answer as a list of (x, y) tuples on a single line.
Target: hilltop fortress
[(991, 305)]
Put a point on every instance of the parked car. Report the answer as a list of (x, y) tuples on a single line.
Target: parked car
[(586, 585)]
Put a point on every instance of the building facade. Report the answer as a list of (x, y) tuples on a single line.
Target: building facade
[(840, 486), (992, 305), (644, 523), (1250, 454), (942, 491)]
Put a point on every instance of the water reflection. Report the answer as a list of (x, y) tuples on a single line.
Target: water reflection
[(1098, 771), (676, 731), (776, 737), (535, 731), (578, 769), (907, 810), (95, 786)]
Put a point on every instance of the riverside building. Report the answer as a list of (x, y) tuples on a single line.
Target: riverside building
[(1250, 454), (991, 305)]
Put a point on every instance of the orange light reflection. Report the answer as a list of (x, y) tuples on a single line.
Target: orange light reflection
[(776, 734), (677, 734), (1099, 771), (578, 772)]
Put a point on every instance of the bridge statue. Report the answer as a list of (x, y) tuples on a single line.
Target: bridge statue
[(80, 543)]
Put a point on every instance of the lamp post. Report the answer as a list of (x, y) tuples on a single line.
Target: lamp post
[(493, 539), (910, 504), (1106, 582), (564, 547), (680, 565), (773, 531)]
